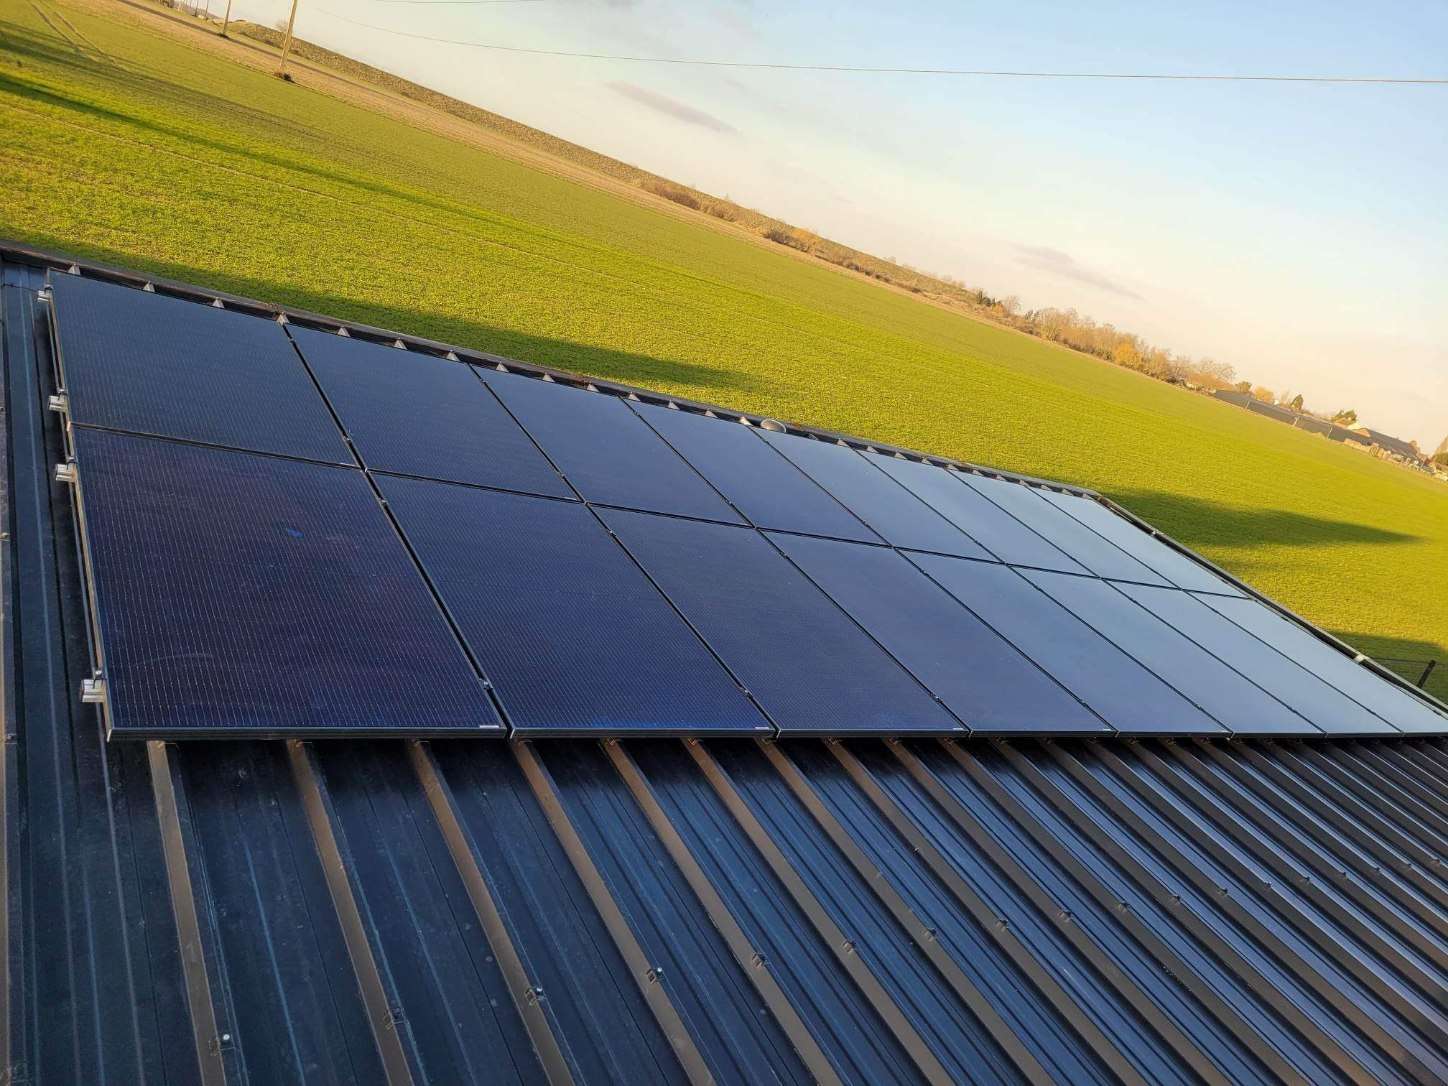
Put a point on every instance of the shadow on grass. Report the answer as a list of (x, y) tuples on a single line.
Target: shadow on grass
[(1199, 522), (1405, 656), (593, 361)]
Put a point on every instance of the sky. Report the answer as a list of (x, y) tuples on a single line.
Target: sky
[(1297, 231)]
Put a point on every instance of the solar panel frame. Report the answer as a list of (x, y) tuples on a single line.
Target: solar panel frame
[(147, 363), (1178, 569), (1127, 695), (637, 665), (887, 508), (1406, 712), (728, 580), (232, 622), (1329, 710), (1001, 535), (411, 413), (1180, 662), (606, 452), (1029, 505), (978, 675), (769, 490)]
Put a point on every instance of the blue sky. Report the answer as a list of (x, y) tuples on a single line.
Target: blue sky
[(1299, 232)]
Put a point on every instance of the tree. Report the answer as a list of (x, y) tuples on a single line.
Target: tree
[(1346, 417), (1243, 386), (1296, 403), (1263, 393)]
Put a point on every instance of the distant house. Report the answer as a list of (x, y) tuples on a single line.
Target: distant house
[(1394, 446)]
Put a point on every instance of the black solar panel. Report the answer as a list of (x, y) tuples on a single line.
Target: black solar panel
[(810, 667), (764, 486), (990, 526), (1125, 694), (150, 364), (1026, 504), (1175, 567), (894, 513), (1399, 708), (572, 635), (239, 593), (979, 676), (606, 451), (417, 414), (1320, 704), (1189, 668)]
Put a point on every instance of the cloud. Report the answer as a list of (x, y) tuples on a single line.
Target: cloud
[(1065, 266), (670, 107)]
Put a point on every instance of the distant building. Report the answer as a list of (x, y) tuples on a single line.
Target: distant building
[(1395, 446)]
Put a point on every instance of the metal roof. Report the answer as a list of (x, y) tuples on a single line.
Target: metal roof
[(679, 910)]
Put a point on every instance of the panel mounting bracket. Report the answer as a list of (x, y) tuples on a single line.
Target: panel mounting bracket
[(93, 691), (59, 402), (65, 473)]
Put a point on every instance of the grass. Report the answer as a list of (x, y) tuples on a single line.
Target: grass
[(132, 141)]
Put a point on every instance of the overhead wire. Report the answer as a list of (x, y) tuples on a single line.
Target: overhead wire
[(1004, 73)]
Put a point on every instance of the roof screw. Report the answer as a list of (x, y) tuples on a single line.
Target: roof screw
[(848, 946)]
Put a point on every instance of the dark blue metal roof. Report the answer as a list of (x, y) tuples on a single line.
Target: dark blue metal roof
[(641, 910)]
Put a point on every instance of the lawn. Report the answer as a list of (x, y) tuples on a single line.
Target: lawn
[(143, 148)]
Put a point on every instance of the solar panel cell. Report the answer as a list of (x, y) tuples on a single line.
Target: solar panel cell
[(573, 636), (606, 451), (1170, 564), (1178, 660), (1319, 703), (894, 513), (1026, 504), (1125, 694), (990, 526), (238, 594), (1399, 708), (976, 673), (811, 668), (768, 489), (416, 414), (150, 364)]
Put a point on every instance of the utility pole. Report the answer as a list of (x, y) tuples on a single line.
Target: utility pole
[(226, 20), (287, 44)]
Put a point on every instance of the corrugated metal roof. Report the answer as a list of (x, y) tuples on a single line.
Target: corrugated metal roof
[(669, 910)]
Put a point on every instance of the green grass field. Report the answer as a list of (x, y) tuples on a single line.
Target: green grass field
[(133, 147)]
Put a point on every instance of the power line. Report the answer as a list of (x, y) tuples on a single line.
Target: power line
[(864, 69)]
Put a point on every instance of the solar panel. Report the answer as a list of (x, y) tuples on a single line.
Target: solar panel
[(990, 526), (143, 362), (606, 451), (1026, 504), (1125, 694), (1175, 567), (810, 667), (573, 636), (243, 594), (1399, 708), (761, 484), (1319, 703), (417, 414), (894, 513), (1188, 667), (978, 675)]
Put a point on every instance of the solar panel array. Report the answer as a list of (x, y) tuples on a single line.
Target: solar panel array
[(289, 530)]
